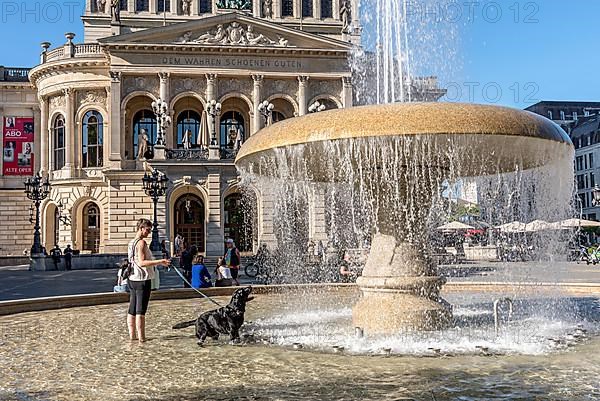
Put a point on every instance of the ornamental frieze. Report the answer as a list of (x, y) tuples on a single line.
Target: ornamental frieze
[(281, 86), (57, 102), (325, 87), (145, 83), (244, 85), (91, 97), (232, 34), (180, 85)]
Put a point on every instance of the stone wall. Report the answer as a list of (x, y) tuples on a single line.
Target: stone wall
[(16, 233)]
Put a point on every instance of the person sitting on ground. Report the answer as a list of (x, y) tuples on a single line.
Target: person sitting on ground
[(200, 275), (223, 274)]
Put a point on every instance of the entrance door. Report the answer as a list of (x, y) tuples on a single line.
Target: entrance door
[(190, 220), (240, 220), (91, 228)]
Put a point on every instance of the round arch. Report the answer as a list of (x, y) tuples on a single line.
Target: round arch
[(238, 95), (87, 228), (327, 98), (51, 225), (289, 99), (183, 95), (135, 94)]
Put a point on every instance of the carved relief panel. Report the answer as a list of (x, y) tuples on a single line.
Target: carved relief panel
[(331, 87), (237, 85), (280, 86), (180, 85), (142, 83), (95, 96), (57, 102)]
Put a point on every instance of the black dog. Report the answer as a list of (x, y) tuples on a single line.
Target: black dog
[(225, 320)]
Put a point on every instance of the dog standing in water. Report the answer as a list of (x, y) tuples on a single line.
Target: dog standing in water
[(225, 320)]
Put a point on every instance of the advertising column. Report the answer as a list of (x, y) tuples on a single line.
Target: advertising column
[(17, 146)]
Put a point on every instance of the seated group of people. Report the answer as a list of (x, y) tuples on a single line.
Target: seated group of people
[(201, 278)]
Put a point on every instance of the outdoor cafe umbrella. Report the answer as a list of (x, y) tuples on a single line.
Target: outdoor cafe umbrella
[(455, 225), (204, 135), (575, 223), (538, 225), (514, 227)]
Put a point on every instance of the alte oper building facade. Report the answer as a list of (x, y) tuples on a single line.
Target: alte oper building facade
[(95, 131)]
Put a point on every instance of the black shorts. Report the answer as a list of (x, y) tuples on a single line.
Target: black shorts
[(234, 273), (139, 296)]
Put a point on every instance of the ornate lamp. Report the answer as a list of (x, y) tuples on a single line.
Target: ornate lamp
[(37, 189), (64, 218), (266, 110), (316, 107), (155, 186), (161, 110)]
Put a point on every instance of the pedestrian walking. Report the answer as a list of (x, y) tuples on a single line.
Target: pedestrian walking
[(140, 281), (68, 257), (232, 260), (56, 253)]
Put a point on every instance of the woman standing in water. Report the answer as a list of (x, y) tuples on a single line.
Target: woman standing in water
[(140, 257)]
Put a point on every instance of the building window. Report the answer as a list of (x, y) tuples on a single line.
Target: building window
[(59, 142), (144, 120), (579, 163), (205, 6), (591, 160), (307, 8), (592, 180), (164, 5), (232, 130), (188, 120), (326, 9), (580, 182), (92, 139), (287, 8), (123, 5), (142, 5), (91, 228), (550, 114), (562, 115)]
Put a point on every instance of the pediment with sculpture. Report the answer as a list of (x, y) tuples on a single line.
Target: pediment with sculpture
[(232, 34)]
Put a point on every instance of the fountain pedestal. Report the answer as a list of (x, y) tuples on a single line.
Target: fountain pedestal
[(400, 291)]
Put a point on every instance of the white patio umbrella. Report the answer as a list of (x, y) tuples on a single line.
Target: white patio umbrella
[(538, 225), (204, 134), (455, 225), (514, 227), (575, 223), (238, 140)]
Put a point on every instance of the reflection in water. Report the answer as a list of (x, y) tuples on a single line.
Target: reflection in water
[(83, 353)]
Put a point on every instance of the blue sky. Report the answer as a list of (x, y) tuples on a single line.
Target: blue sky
[(546, 51)]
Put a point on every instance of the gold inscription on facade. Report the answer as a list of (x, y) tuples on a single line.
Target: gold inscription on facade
[(232, 62)]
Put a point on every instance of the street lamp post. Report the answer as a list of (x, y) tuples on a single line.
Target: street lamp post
[(37, 189), (266, 110), (155, 186), (316, 107)]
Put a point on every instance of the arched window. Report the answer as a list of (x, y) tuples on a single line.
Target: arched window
[(144, 120), (92, 139), (277, 116), (307, 8), (123, 5), (142, 5), (232, 129), (205, 6), (326, 9), (287, 8), (164, 5), (91, 228), (188, 120), (58, 142)]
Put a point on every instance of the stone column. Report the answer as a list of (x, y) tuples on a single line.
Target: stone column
[(256, 99), (45, 138), (266, 230), (276, 9), (164, 85), (130, 5), (317, 9), (336, 9), (70, 130), (211, 94), (196, 7), (302, 106), (297, 8), (257, 8), (114, 108), (214, 227), (347, 92), (153, 6), (174, 7), (37, 137)]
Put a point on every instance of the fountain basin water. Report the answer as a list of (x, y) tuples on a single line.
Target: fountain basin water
[(82, 353)]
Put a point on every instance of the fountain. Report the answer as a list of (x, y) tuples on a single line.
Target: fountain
[(397, 155)]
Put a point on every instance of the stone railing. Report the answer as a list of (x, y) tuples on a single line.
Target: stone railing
[(14, 74), (73, 50), (187, 154), (228, 154)]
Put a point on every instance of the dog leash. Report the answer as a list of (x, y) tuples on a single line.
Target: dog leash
[(195, 289)]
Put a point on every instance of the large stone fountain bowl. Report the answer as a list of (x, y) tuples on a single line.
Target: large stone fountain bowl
[(484, 139)]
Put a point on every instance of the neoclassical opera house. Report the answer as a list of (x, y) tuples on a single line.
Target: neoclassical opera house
[(96, 131)]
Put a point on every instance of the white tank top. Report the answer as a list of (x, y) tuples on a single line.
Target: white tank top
[(139, 273)]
